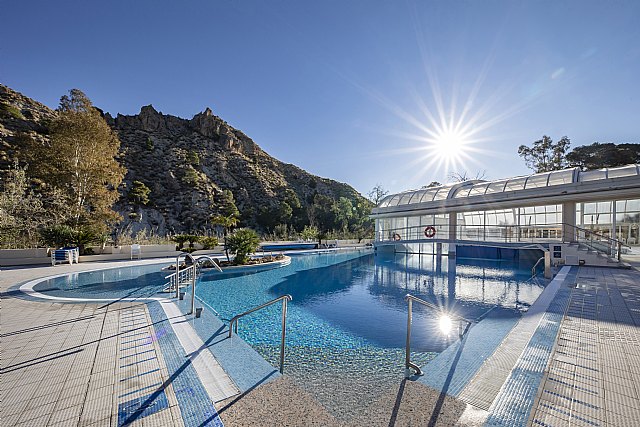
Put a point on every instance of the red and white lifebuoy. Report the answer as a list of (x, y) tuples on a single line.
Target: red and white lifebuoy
[(396, 237), (430, 231)]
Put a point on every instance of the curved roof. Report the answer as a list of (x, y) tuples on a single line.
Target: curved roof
[(473, 188)]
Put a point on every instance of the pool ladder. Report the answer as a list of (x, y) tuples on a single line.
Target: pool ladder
[(461, 331), (188, 276), (233, 323)]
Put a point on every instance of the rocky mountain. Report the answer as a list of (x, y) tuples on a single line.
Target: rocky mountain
[(186, 163)]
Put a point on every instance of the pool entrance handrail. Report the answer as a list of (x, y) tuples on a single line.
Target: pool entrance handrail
[(410, 298), (233, 323), (189, 275)]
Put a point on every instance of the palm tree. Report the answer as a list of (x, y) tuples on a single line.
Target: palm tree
[(227, 223)]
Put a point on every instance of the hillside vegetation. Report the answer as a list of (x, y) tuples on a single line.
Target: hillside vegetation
[(181, 173)]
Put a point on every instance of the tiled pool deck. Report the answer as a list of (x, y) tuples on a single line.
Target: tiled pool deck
[(112, 364)]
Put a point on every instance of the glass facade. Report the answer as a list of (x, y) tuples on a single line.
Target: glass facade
[(516, 221), (599, 218), (519, 224)]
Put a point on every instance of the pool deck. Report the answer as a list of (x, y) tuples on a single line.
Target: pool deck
[(100, 364)]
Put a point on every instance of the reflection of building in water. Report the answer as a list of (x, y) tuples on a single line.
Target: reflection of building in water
[(483, 282), (562, 206)]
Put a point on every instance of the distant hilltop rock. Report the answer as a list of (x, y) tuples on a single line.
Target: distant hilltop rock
[(187, 164)]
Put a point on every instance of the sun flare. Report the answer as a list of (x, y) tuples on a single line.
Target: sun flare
[(450, 146)]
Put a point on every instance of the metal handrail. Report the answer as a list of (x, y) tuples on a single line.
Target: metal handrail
[(234, 322), (533, 269), (614, 245), (193, 261), (210, 259), (410, 298)]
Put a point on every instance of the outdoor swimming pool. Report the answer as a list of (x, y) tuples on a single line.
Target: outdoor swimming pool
[(346, 324)]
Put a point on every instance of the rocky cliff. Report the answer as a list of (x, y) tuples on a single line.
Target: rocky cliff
[(187, 163)]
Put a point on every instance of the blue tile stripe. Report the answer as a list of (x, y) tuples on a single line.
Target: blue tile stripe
[(516, 398), (195, 405), (141, 407)]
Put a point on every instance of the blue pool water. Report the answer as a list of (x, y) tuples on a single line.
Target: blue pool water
[(356, 299), (346, 325)]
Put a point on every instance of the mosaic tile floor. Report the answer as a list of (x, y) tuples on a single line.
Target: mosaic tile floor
[(593, 378)]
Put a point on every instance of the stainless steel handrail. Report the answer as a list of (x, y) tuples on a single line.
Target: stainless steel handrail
[(195, 278), (210, 259), (410, 298), (193, 261), (234, 322), (533, 269)]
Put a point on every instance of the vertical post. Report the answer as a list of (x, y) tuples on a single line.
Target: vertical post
[(547, 265), (178, 276), (614, 225), (284, 331), (619, 250), (407, 360), (453, 225), (569, 222), (193, 291)]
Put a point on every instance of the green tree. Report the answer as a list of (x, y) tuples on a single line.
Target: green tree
[(21, 211), (290, 208), (227, 223), (362, 224), (344, 212), (309, 232), (227, 205), (322, 213), (139, 193), (149, 144), (545, 155), (607, 155), (243, 242), (80, 161)]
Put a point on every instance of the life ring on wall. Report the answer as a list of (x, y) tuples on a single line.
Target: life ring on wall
[(430, 231), (396, 237)]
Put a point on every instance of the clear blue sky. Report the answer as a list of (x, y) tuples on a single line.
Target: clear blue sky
[(344, 89)]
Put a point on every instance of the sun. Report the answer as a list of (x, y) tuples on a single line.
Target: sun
[(450, 146)]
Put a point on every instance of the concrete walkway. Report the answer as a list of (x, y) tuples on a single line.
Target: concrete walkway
[(90, 363)]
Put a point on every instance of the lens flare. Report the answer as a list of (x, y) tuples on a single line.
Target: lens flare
[(445, 324)]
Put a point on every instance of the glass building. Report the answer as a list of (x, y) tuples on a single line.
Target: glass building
[(563, 206)]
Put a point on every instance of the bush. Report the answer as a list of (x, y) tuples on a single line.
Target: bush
[(180, 239), (11, 111), (58, 236), (63, 235), (209, 242), (243, 242)]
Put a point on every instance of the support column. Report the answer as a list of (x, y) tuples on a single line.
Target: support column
[(568, 222), (614, 222), (453, 225)]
